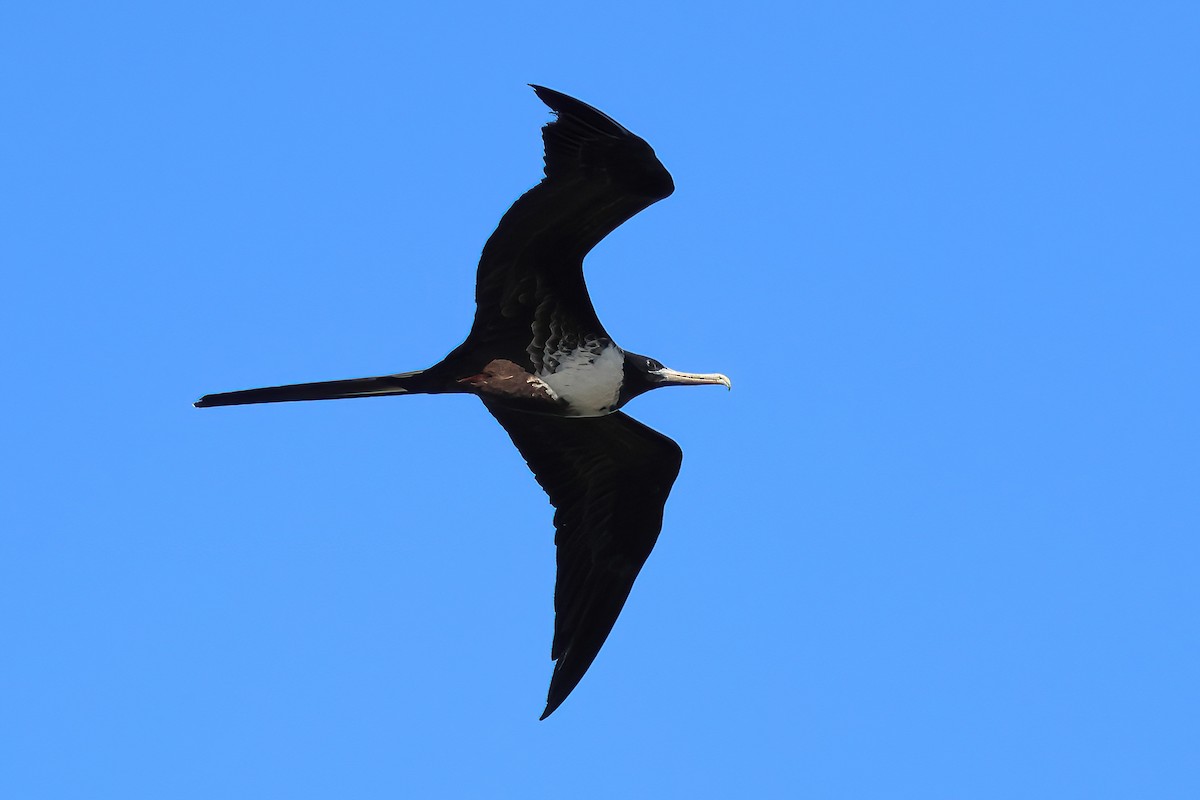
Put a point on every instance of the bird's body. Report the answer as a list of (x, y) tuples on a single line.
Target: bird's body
[(543, 365), (587, 378)]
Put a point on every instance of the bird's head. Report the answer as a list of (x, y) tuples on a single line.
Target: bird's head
[(643, 373)]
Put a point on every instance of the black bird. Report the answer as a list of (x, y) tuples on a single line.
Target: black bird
[(547, 370)]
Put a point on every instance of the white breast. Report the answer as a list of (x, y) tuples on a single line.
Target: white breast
[(587, 378)]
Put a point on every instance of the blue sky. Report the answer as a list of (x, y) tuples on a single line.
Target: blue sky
[(939, 542)]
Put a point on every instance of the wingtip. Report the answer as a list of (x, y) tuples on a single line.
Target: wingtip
[(551, 706), (562, 684), (548, 96), (565, 105)]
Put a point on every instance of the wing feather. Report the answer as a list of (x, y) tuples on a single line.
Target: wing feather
[(608, 479), (597, 175)]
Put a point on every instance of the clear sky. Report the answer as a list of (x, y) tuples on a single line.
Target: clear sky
[(940, 541)]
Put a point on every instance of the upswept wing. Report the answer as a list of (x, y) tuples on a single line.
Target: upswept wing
[(598, 175), (608, 479)]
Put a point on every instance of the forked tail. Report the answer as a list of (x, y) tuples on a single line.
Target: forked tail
[(418, 382)]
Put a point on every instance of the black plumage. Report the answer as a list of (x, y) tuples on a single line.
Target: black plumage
[(539, 358)]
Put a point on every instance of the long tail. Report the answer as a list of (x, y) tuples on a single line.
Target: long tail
[(403, 383)]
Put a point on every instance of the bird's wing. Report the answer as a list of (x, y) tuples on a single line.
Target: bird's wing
[(598, 175), (608, 479)]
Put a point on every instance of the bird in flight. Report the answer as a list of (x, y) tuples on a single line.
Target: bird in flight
[(548, 371)]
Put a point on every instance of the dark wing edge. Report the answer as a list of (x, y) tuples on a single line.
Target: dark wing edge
[(597, 175), (608, 479), (575, 125)]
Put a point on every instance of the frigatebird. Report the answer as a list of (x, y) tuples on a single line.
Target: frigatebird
[(548, 371)]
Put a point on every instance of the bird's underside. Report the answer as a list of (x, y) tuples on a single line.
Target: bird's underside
[(551, 375)]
